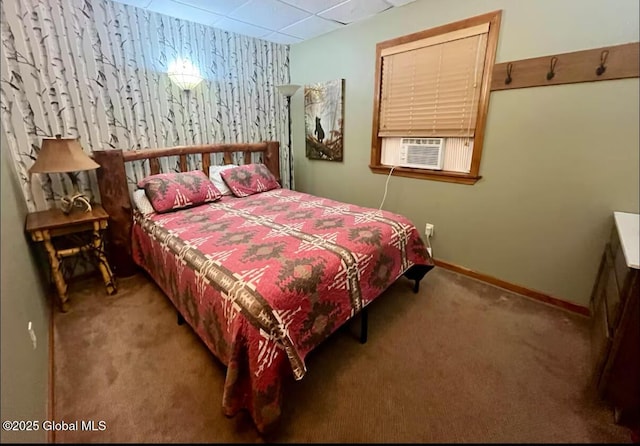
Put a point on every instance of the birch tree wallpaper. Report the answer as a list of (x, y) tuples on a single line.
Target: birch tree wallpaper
[(97, 70)]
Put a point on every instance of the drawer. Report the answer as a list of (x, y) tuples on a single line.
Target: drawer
[(611, 293), (596, 292), (614, 239), (600, 338), (621, 268), (619, 261)]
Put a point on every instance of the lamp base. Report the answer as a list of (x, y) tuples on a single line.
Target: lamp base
[(80, 201)]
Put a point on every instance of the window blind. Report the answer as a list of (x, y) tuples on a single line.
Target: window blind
[(431, 87)]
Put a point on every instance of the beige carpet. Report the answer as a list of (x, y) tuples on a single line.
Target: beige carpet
[(461, 361)]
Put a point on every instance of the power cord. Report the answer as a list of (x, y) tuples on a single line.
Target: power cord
[(429, 248), (384, 197), (386, 185)]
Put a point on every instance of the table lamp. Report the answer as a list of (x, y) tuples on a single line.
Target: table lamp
[(65, 155)]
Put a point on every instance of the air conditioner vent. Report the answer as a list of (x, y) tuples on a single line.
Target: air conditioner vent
[(424, 153)]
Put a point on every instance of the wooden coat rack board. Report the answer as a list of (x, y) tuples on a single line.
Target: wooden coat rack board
[(598, 64)]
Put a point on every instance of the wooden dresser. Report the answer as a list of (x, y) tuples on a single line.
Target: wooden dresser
[(615, 306)]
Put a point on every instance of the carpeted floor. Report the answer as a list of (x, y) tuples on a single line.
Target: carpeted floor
[(461, 361)]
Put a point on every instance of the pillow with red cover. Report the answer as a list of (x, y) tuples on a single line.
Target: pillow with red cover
[(249, 179), (179, 190)]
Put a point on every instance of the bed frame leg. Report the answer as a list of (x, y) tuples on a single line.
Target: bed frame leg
[(364, 321), (180, 318), (417, 272)]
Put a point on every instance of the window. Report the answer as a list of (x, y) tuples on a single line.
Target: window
[(431, 100)]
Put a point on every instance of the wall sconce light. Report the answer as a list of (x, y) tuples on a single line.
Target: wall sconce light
[(184, 74)]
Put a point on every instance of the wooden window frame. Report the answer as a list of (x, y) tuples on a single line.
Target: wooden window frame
[(376, 166)]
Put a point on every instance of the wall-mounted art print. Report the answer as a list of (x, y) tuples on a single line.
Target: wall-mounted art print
[(324, 120)]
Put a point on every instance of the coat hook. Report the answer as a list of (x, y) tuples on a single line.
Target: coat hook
[(552, 67), (603, 59), (509, 68)]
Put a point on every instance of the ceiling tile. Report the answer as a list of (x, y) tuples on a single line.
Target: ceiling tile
[(399, 2), (311, 27), (281, 38), (138, 3), (185, 12), (222, 7), (270, 14), (282, 21), (354, 10), (314, 6), (242, 28)]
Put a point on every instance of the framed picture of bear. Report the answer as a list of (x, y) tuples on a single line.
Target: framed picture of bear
[(324, 120)]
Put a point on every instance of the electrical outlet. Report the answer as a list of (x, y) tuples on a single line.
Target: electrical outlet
[(428, 230)]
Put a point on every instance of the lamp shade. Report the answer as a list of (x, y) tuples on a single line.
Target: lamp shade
[(184, 74), (288, 90), (59, 155)]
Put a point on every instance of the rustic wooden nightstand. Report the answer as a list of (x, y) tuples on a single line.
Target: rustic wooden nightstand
[(69, 235), (615, 305)]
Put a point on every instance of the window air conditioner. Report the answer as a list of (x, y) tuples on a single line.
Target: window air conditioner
[(423, 153)]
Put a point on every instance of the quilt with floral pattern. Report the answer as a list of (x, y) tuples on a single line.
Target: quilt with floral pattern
[(266, 278)]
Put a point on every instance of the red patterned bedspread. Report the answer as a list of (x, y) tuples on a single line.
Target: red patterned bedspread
[(266, 278)]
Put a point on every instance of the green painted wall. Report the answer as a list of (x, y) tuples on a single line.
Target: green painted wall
[(25, 371), (556, 161)]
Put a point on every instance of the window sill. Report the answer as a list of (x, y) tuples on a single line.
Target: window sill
[(435, 175)]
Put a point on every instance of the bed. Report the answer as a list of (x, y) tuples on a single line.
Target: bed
[(262, 279)]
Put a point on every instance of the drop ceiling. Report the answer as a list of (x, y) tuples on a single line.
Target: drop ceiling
[(281, 21)]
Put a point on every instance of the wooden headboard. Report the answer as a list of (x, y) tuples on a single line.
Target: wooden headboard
[(114, 189)]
